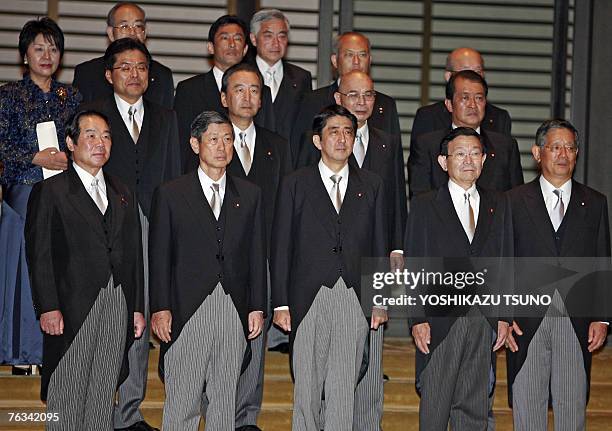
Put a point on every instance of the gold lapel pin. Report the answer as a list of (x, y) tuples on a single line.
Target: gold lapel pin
[(359, 194), (237, 204)]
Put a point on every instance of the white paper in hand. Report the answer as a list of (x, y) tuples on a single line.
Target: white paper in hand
[(47, 138)]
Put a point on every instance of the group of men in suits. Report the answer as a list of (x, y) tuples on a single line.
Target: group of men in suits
[(239, 227)]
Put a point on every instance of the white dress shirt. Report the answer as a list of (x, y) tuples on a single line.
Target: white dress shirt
[(123, 108), (206, 182), (461, 204), (454, 126), (250, 137), (326, 174), (218, 74), (86, 178), (550, 198), (276, 69)]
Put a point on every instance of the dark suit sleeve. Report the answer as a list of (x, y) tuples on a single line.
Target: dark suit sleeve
[(167, 90), (394, 126), (381, 245), (133, 247), (422, 124), (506, 123), (160, 253), (39, 249), (419, 168), (257, 271), (303, 123), (175, 155), (184, 116), (516, 170), (415, 245), (281, 250), (399, 200), (265, 117), (80, 82), (309, 154)]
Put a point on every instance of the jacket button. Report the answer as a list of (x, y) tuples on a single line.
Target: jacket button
[(109, 249), (219, 276), (218, 229), (335, 250)]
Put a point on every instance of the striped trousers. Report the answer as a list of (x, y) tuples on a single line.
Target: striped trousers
[(205, 361), (554, 361), (327, 357), (132, 391), (82, 387), (455, 382)]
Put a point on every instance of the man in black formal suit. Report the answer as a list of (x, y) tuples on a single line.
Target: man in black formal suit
[(208, 280), (145, 154), (351, 52), (287, 82), (328, 217), (466, 98), (124, 20), (554, 216), (83, 250), (261, 158), (435, 116), (227, 43), (454, 350)]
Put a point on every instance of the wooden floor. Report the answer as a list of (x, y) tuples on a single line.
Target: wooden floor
[(20, 394)]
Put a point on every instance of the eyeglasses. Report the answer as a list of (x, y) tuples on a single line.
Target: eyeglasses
[(354, 96), (136, 28), (557, 148), (128, 67), (462, 155)]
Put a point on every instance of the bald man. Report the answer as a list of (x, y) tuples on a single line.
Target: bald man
[(436, 117)]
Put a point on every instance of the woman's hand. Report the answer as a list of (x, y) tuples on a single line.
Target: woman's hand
[(51, 158)]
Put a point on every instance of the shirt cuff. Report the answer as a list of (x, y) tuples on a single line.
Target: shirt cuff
[(282, 308), (398, 251), (605, 323)]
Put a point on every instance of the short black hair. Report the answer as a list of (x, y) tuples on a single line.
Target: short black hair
[(45, 26), (200, 124), (240, 67), (110, 17), (225, 20), (468, 75), (73, 126), (460, 131), (555, 123), (122, 45), (320, 120)]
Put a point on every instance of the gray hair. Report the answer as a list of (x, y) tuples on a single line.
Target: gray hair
[(337, 39), (110, 18), (200, 124), (555, 123), (266, 15)]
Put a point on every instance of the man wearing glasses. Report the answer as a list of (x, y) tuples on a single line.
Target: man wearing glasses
[(466, 98), (124, 20), (145, 155)]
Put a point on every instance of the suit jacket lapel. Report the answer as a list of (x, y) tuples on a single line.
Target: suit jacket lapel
[(443, 205), (354, 193), (232, 208), (83, 203), (149, 132), (196, 200), (574, 217), (117, 202), (320, 201), (534, 204), (115, 118), (211, 90), (486, 210)]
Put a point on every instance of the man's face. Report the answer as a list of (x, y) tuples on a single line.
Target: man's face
[(468, 105), (128, 21), (271, 40), (215, 148), (336, 140), (557, 158), (353, 54), (356, 93), (229, 46), (464, 161), (242, 97), (94, 144), (130, 75)]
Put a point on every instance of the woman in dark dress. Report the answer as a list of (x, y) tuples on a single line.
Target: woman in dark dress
[(28, 108)]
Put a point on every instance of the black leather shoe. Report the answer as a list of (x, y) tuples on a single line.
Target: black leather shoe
[(249, 428), (138, 426), (282, 347)]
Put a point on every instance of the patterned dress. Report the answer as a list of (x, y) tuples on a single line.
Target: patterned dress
[(22, 106)]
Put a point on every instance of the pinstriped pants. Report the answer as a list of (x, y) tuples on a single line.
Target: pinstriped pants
[(554, 360), (82, 387), (455, 382), (132, 391), (327, 357), (369, 393), (205, 361)]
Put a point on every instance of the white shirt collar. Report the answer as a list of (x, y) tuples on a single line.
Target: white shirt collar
[(264, 66), (206, 182), (86, 178), (550, 198), (250, 137), (326, 173), (123, 108), (460, 203), (218, 74), (477, 129)]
